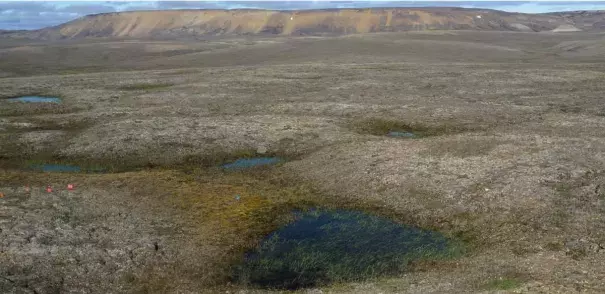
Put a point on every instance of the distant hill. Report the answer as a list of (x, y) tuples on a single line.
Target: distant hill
[(179, 23)]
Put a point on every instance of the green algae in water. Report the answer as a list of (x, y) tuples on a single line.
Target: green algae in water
[(325, 246)]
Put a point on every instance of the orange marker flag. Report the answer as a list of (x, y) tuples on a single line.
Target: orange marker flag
[(1, 195)]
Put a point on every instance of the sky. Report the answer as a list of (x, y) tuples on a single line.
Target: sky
[(30, 15)]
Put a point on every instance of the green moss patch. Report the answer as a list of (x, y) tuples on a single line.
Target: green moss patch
[(391, 127), (503, 284), (146, 86)]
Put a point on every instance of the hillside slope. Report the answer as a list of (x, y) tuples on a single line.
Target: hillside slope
[(171, 23)]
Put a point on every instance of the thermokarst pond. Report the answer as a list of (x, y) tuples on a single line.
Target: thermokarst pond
[(64, 168), (35, 99), (245, 163), (325, 246), (56, 168), (401, 134), (390, 128)]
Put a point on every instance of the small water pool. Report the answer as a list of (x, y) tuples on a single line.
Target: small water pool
[(35, 99), (56, 168), (65, 168), (401, 134), (325, 246), (244, 163)]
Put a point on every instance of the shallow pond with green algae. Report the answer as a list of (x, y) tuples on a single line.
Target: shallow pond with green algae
[(325, 246)]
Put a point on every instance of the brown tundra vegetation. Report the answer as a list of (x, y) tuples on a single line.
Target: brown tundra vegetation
[(508, 157)]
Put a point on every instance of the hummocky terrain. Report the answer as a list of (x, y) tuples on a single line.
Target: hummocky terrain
[(173, 23), (510, 161)]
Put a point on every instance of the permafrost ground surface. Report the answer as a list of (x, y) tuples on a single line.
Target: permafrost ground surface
[(510, 161)]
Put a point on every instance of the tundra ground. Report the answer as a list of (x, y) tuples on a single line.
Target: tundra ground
[(511, 159)]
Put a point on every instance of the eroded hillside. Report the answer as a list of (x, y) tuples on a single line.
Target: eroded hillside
[(173, 23)]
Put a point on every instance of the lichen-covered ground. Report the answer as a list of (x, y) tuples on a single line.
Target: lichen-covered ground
[(512, 162)]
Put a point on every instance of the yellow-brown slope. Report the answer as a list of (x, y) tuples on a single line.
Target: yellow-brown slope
[(141, 24)]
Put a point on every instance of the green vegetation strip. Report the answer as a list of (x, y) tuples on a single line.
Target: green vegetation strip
[(142, 87), (382, 127)]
